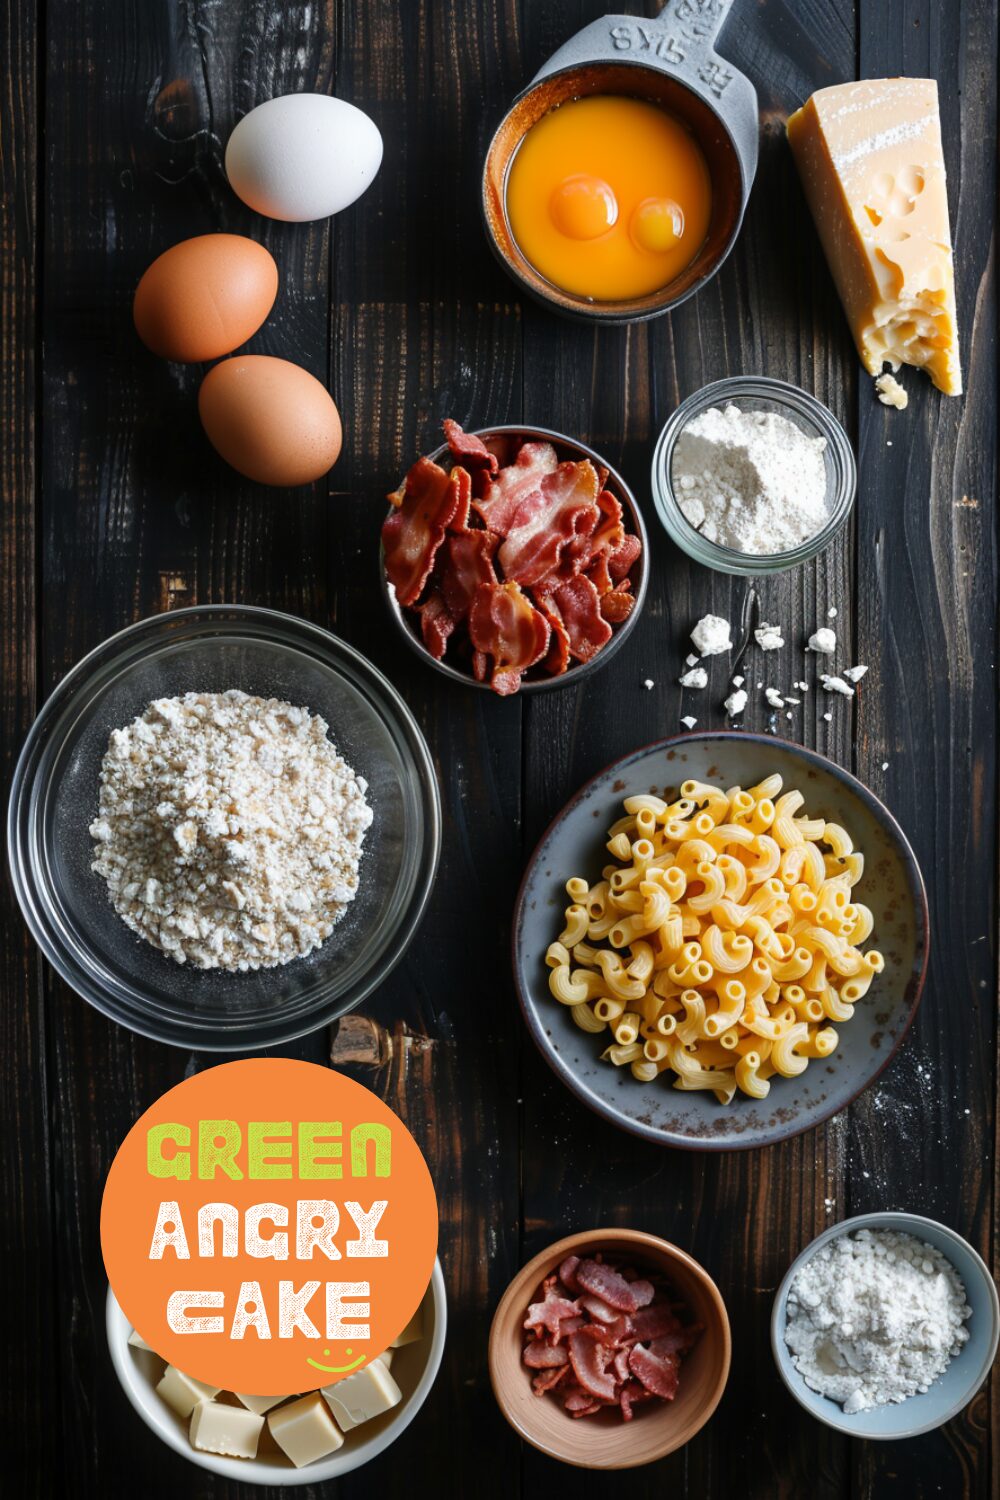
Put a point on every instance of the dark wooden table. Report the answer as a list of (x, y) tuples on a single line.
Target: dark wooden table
[(114, 120)]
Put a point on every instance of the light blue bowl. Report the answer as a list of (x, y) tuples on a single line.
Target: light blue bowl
[(964, 1375)]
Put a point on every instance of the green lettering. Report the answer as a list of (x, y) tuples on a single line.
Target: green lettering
[(316, 1149), (381, 1137), (263, 1148), (178, 1165), (218, 1143)]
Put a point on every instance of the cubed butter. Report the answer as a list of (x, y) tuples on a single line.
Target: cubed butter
[(259, 1404), (138, 1342), (225, 1429), (360, 1397), (414, 1330), (183, 1392), (386, 1357), (872, 166), (305, 1430)]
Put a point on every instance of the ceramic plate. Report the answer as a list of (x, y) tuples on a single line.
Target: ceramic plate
[(892, 886)]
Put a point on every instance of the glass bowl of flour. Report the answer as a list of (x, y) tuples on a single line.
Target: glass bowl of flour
[(886, 1326), (331, 765), (753, 475)]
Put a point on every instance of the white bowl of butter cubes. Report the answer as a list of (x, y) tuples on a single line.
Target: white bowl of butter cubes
[(285, 1440)]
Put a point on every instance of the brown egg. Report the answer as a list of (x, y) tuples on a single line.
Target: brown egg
[(270, 419), (205, 297)]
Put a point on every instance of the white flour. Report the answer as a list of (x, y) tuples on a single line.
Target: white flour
[(750, 480), (875, 1317), (229, 830)]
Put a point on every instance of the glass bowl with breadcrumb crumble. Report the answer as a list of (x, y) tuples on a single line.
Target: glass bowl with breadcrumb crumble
[(753, 475), (224, 828)]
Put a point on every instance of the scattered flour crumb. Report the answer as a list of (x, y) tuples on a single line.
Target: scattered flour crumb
[(689, 721), (774, 697), (697, 677), (736, 703), (649, 684), (823, 641), (738, 681), (855, 674), (769, 637), (836, 685), (711, 636)]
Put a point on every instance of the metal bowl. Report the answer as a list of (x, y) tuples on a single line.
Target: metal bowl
[(670, 62), (535, 680), (892, 886)]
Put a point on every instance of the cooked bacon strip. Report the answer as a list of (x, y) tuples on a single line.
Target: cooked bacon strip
[(547, 1380), (515, 483), (579, 606), (654, 1322), (603, 1281), (567, 1273), (620, 562), (568, 1326), (468, 563), (505, 623), (504, 446), (549, 1313), (599, 1310), (466, 446), (555, 663), (630, 1395), (642, 1290), (618, 1331), (617, 606), (581, 1404), (541, 1355), (656, 1367), (460, 519), (589, 1360), (563, 509), (436, 625), (599, 574), (480, 666), (426, 502), (610, 532)]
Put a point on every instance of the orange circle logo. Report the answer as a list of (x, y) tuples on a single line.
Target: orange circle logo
[(269, 1226)]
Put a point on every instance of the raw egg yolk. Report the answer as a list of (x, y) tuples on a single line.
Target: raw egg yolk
[(657, 224), (583, 207), (609, 197)]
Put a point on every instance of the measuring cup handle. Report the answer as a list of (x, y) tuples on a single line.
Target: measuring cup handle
[(698, 22)]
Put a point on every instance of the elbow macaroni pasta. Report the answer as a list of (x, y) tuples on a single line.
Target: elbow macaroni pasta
[(723, 942)]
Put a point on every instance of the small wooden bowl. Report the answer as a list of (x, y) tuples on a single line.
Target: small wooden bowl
[(604, 1441)]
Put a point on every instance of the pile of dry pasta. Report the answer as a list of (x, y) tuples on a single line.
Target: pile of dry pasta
[(721, 943)]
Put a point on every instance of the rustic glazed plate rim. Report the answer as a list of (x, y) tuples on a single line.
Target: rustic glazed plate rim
[(912, 993)]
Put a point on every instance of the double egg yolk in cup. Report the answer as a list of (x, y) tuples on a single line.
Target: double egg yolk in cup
[(609, 197)]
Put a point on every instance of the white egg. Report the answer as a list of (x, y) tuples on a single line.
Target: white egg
[(303, 156)]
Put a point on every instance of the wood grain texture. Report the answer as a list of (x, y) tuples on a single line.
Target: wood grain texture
[(398, 305), (26, 1231)]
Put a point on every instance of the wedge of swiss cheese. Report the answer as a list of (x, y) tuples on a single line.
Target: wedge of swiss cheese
[(869, 155)]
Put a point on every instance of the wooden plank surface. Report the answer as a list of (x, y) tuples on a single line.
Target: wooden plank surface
[(115, 507)]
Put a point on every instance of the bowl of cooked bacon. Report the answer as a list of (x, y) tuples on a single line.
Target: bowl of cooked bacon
[(514, 559), (610, 1349)]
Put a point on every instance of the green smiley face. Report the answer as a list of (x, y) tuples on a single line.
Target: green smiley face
[(338, 1369)]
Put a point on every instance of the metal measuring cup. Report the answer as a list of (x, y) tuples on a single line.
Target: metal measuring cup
[(670, 61)]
